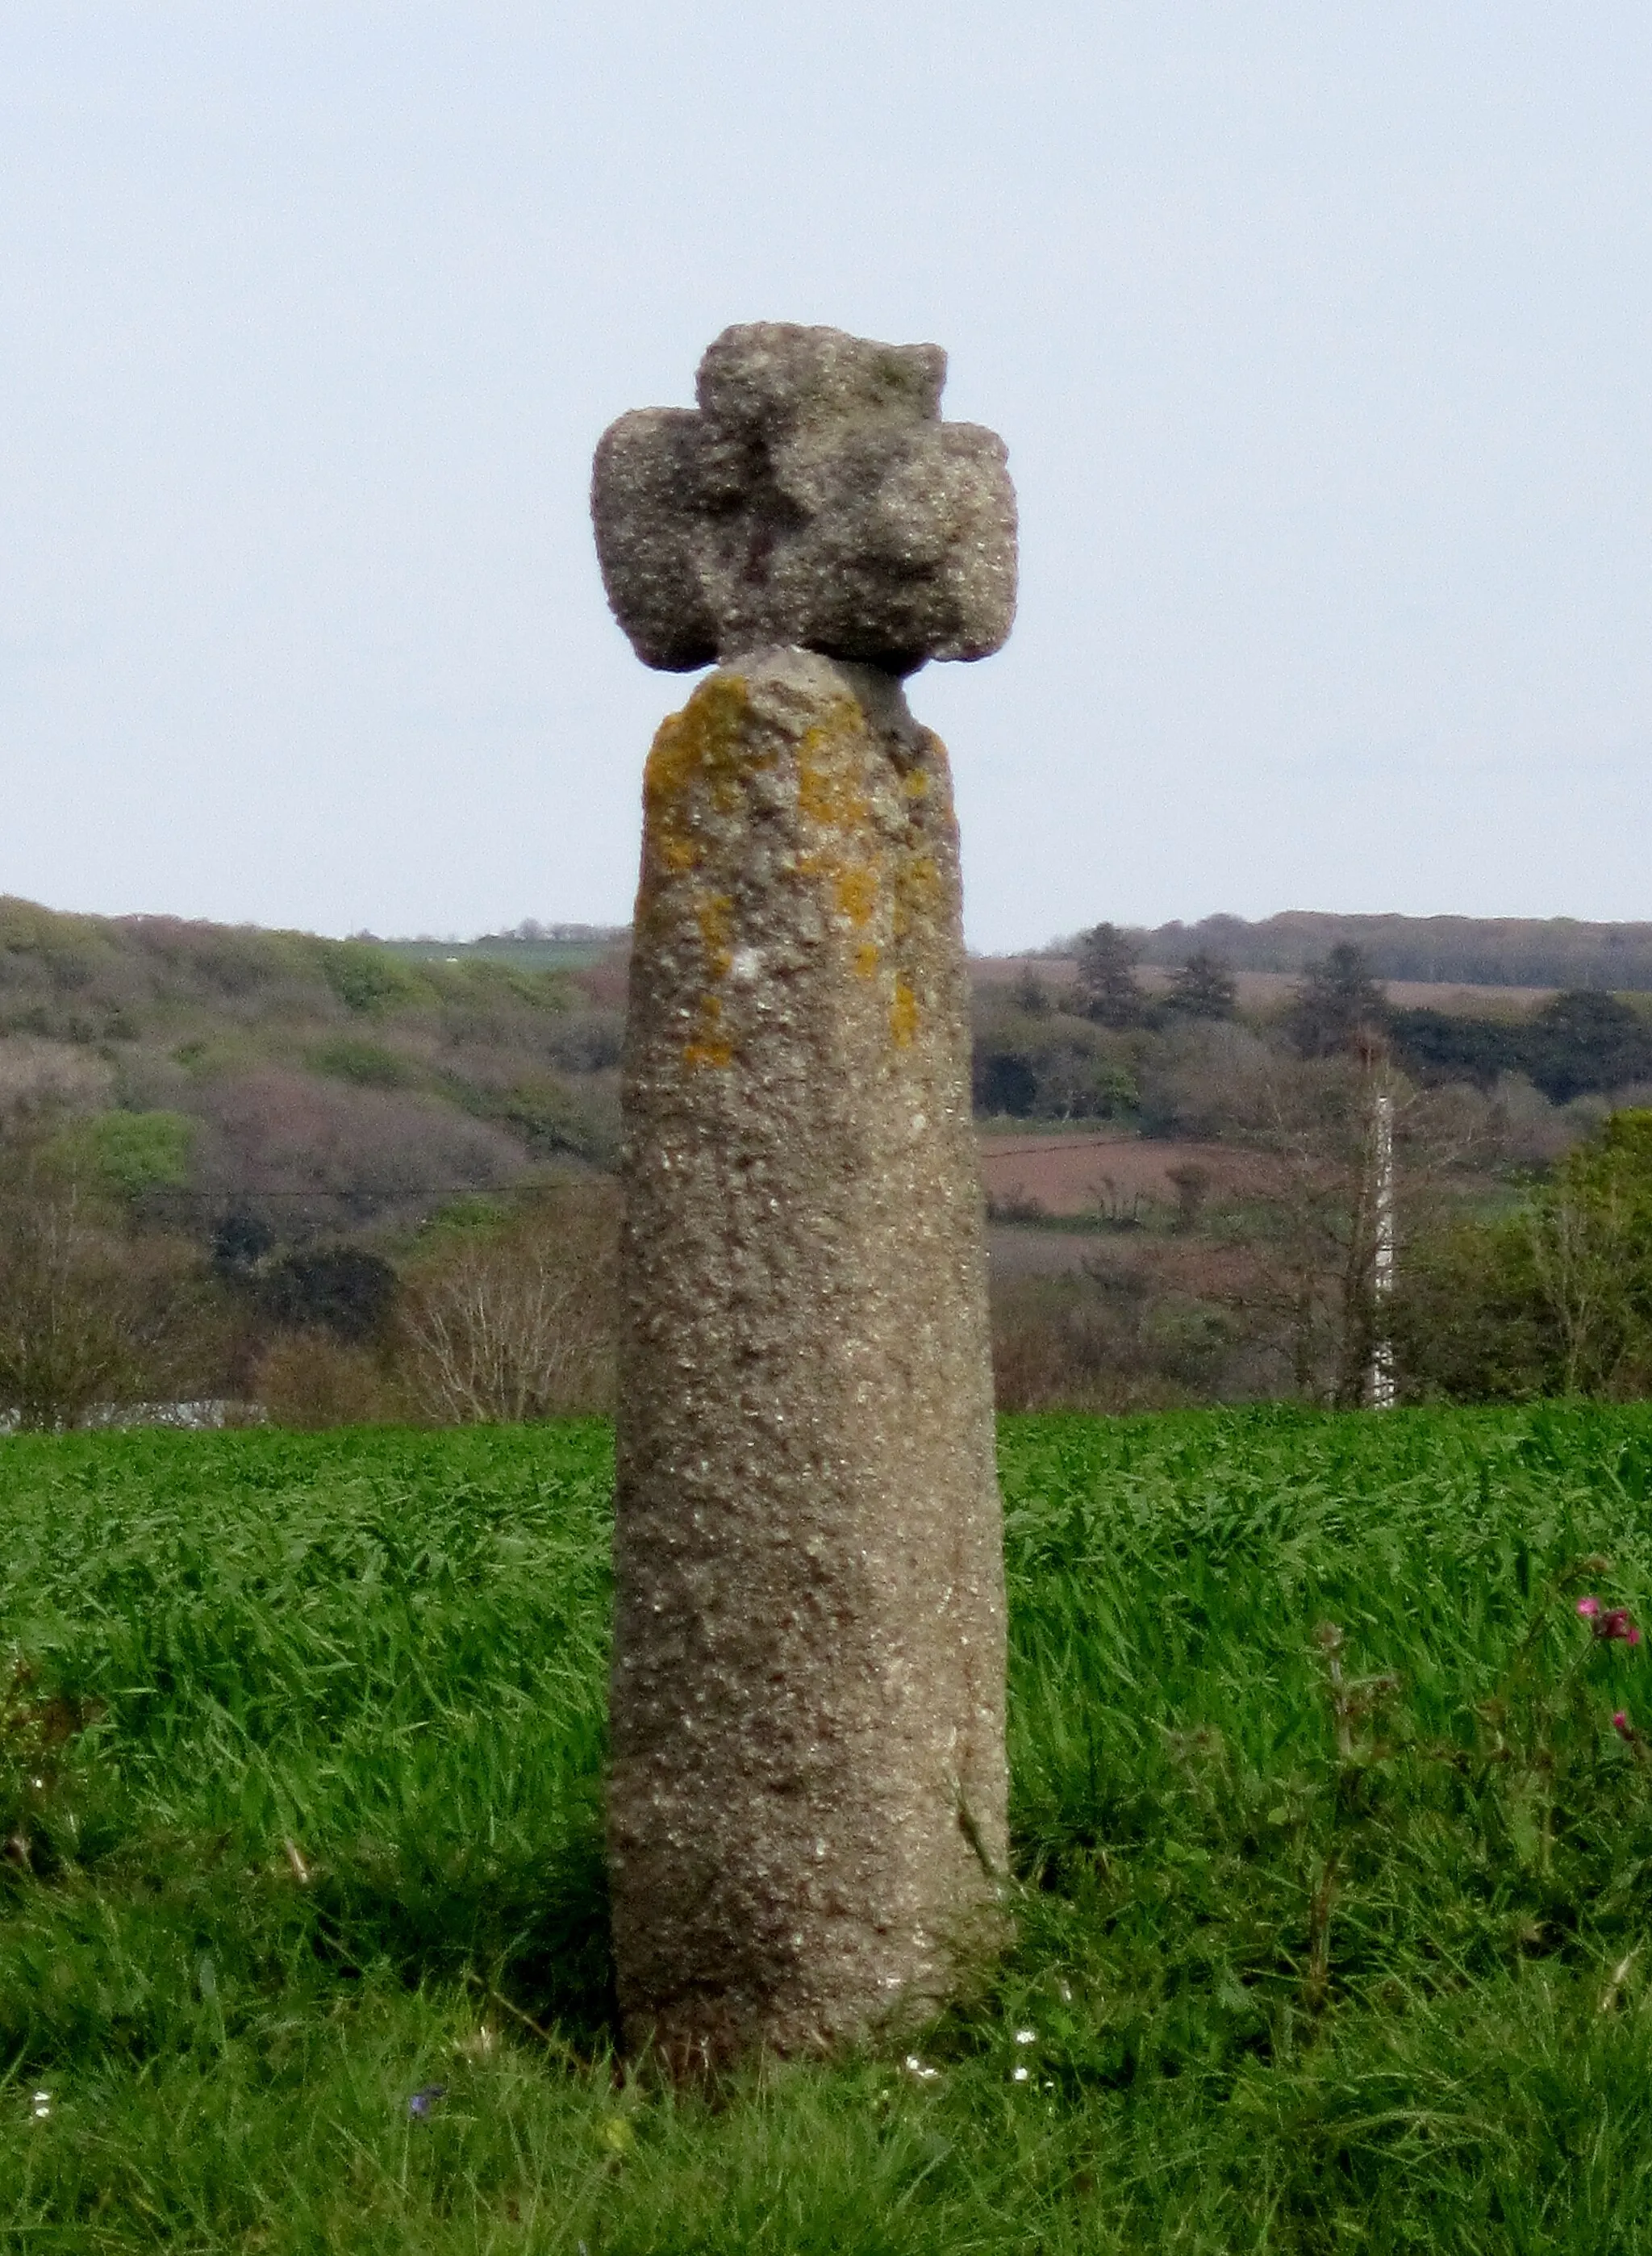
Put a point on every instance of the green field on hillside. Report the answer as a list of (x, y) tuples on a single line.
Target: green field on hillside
[(544, 954), (1333, 1884)]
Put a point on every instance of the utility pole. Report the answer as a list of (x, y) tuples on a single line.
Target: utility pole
[(1381, 1381)]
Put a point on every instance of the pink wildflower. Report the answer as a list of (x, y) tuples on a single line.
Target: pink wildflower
[(1589, 1607), (1622, 1726), (1617, 1624)]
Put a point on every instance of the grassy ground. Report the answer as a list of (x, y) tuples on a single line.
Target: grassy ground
[(1334, 1876)]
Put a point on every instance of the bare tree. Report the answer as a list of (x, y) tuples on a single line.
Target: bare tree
[(64, 1332), (1590, 1233), (1312, 1283), (1577, 1249), (517, 1323), (92, 1312), (88, 1316)]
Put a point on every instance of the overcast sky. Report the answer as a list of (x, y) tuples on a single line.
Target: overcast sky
[(1319, 335)]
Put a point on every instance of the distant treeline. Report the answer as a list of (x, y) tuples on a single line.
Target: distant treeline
[(1478, 951), (1580, 1041)]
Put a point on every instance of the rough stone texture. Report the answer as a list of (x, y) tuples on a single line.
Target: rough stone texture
[(814, 498), (807, 1796)]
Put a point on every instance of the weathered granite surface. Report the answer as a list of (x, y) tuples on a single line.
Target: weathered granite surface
[(813, 497), (807, 1794)]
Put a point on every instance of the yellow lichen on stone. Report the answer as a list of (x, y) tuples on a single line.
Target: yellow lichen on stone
[(918, 892), (703, 738), (904, 1015), (829, 790), (854, 887), (833, 798), (866, 961), (709, 1044), (712, 913), (699, 746)]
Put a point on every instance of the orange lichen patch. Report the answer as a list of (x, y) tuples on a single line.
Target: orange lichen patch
[(918, 892), (904, 1015), (712, 913), (866, 961), (704, 735), (854, 889), (829, 788), (709, 1045), (700, 748)]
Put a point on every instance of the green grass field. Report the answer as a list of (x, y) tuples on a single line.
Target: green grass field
[(1333, 1894)]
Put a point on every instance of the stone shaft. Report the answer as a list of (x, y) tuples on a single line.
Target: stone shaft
[(807, 1793)]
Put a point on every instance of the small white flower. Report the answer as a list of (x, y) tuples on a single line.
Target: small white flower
[(1019, 2075), (919, 2069), (42, 2103), (1026, 2036)]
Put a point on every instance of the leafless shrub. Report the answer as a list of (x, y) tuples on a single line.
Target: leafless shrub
[(90, 1317), (1207, 1078), (1016, 1204), (94, 1312), (66, 1323), (1530, 1131), (310, 1381), (37, 1074), (517, 1323), (1117, 1333), (587, 1042), (1191, 1183)]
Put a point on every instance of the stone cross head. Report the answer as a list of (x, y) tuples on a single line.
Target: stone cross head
[(814, 498)]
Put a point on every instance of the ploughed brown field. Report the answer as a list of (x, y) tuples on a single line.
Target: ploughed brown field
[(1117, 1176), (1262, 990)]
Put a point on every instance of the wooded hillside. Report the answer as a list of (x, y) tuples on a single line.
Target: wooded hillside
[(313, 1081), (348, 1179)]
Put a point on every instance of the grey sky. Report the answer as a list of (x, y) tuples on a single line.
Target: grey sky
[(1318, 333)]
